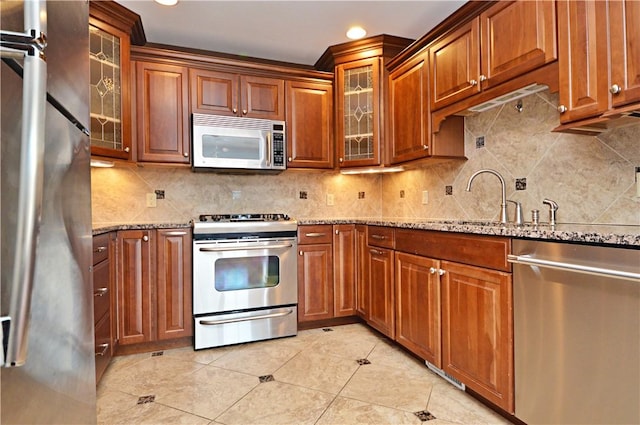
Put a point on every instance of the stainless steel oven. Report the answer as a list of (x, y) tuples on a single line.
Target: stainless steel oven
[(244, 278)]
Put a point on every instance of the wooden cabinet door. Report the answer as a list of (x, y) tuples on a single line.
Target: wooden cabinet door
[(173, 283), (516, 37), (213, 92), (381, 294), (309, 125), (477, 330), (455, 65), (362, 274), (262, 97), (409, 114), (418, 306), (162, 112), (582, 61), (344, 270), (315, 282), (624, 38), (135, 315)]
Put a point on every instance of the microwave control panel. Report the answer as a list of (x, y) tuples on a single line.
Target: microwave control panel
[(278, 146)]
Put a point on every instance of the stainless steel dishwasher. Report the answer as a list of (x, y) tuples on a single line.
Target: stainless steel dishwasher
[(576, 333)]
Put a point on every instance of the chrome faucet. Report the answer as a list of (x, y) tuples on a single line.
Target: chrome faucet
[(553, 207), (503, 202)]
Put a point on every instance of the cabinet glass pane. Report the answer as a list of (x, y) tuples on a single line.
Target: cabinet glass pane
[(358, 113), (104, 55)]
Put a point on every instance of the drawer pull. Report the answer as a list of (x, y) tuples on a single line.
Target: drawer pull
[(100, 292), (175, 233), (315, 235), (104, 347), (378, 237), (100, 249), (376, 252)]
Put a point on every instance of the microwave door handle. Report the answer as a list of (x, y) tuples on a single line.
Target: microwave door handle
[(268, 153)]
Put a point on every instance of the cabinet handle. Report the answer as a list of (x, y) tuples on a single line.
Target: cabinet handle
[(100, 292), (100, 249), (432, 270), (378, 237), (127, 149), (145, 238), (562, 109), (375, 252), (615, 89), (315, 235), (104, 347), (483, 78), (175, 233), (473, 82)]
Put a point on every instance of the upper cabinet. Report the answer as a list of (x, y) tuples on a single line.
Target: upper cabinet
[(224, 93), (599, 46), (360, 93), (505, 41), (112, 28)]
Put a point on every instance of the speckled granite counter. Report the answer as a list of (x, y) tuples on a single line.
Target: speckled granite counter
[(620, 235)]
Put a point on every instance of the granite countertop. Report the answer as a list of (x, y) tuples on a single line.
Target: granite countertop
[(620, 235)]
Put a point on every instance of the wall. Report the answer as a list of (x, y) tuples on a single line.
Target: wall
[(591, 178)]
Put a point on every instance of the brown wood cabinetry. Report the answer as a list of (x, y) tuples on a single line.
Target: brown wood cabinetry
[(315, 273), (344, 270), (162, 113), (309, 120), (380, 288), (477, 330), (103, 300), (154, 285), (598, 60), (505, 41), (224, 93), (417, 286), (362, 274)]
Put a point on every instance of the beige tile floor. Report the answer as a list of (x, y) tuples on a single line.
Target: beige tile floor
[(313, 378)]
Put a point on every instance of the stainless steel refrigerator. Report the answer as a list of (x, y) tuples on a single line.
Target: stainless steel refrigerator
[(48, 373)]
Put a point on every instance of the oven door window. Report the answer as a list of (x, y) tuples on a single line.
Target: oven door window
[(233, 274)]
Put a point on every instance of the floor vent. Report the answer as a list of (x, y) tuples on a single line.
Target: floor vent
[(453, 381)]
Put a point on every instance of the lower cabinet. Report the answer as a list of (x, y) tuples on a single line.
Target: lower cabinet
[(154, 285), (103, 300), (362, 272), (381, 293)]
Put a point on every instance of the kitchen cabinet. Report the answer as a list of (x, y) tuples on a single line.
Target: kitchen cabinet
[(224, 93), (599, 63), (154, 285), (162, 113), (112, 30), (507, 40), (103, 300), (381, 293), (417, 285), (315, 273), (309, 118), (362, 273), (409, 114), (344, 270)]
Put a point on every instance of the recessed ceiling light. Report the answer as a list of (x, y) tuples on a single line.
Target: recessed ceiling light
[(167, 2), (355, 33)]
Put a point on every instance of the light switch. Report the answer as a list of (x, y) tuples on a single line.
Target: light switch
[(151, 200), (425, 197), (330, 199)]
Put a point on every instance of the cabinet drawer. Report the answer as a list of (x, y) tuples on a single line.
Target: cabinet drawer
[(101, 291), (381, 236), (315, 234), (100, 247), (483, 251), (102, 345)]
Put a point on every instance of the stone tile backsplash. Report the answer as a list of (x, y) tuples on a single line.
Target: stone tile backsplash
[(591, 178)]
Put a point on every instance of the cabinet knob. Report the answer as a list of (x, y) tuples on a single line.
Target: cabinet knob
[(244, 112), (127, 149), (235, 110), (289, 159), (100, 249), (337, 232), (145, 238), (432, 270), (562, 109), (340, 160), (299, 252), (425, 147), (483, 78), (473, 82), (186, 154), (441, 272), (615, 89)]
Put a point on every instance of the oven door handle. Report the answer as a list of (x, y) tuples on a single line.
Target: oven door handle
[(243, 248), (245, 319)]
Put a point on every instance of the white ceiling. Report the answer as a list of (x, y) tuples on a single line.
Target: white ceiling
[(290, 31)]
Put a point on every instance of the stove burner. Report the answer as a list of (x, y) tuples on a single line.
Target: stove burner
[(242, 217)]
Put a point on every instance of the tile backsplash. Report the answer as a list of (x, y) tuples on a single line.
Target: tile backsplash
[(591, 179)]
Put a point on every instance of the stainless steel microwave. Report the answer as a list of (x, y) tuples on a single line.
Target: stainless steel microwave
[(235, 144)]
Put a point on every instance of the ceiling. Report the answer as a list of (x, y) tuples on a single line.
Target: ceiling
[(290, 31)]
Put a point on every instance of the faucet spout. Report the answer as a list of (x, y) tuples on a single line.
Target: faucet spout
[(503, 203)]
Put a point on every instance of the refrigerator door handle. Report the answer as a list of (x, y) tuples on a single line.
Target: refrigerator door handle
[(29, 204)]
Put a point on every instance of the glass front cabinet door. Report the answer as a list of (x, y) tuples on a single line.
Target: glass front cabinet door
[(110, 103)]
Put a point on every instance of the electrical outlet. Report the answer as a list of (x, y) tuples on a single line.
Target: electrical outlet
[(151, 200), (236, 194), (425, 197), (330, 199)]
